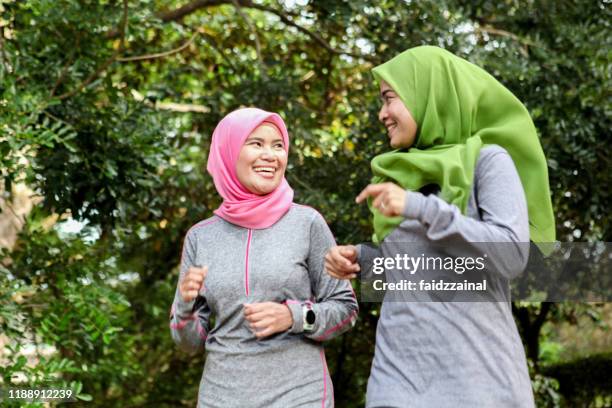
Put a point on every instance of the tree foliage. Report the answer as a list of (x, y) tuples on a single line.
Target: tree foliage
[(106, 112)]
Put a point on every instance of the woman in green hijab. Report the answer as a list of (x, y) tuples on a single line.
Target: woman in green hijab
[(467, 170)]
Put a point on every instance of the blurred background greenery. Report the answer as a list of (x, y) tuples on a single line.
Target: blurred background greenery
[(106, 112)]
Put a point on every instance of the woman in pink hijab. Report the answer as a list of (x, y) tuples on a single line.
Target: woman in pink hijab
[(257, 266)]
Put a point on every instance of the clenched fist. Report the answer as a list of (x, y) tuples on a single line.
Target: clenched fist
[(268, 318), (341, 262), (192, 282)]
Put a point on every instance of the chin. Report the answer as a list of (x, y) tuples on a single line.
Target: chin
[(394, 145), (267, 189), (400, 144)]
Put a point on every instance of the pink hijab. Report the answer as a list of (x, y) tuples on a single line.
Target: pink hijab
[(240, 206)]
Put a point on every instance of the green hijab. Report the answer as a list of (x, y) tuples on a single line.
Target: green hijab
[(459, 108)]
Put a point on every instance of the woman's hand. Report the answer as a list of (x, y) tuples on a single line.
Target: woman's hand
[(341, 262), (192, 282), (267, 318), (389, 198)]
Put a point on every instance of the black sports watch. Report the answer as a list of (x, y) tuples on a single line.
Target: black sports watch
[(308, 317)]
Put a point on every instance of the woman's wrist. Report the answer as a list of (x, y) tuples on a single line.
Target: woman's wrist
[(413, 204), (288, 318), (295, 309)]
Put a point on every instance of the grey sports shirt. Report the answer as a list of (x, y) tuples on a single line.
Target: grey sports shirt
[(456, 354), (282, 263)]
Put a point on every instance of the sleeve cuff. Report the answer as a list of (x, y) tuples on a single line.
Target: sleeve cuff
[(297, 315), (367, 253), (184, 309), (415, 202)]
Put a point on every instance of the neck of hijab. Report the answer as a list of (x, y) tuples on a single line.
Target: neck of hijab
[(459, 108), (240, 206)]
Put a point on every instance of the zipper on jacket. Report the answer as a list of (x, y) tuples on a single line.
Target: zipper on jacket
[(246, 262)]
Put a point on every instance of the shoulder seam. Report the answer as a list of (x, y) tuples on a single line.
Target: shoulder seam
[(204, 223), (309, 208)]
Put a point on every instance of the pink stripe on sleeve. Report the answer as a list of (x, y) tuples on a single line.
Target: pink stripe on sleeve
[(338, 326), (182, 323)]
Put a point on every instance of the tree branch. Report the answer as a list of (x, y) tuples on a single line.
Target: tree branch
[(541, 317), (3, 55), (213, 44), (192, 7), (61, 76), (503, 33), (285, 19), (171, 106), (109, 61), (178, 14), (60, 79), (20, 219), (182, 107), (161, 54), (262, 65)]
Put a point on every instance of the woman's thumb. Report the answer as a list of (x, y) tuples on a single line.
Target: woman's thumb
[(349, 252)]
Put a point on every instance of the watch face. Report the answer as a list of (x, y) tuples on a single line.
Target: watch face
[(310, 317)]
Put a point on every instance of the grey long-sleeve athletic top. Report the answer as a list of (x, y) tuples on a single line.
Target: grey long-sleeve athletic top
[(456, 354), (282, 263)]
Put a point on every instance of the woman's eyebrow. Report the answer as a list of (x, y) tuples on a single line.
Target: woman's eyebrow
[(260, 139), (254, 139), (385, 92)]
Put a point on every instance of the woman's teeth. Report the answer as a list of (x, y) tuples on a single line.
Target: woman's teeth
[(268, 170)]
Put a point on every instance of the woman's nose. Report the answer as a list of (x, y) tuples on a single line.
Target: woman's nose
[(267, 153), (382, 114)]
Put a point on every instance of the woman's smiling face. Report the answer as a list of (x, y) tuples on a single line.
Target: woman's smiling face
[(401, 126), (262, 161)]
